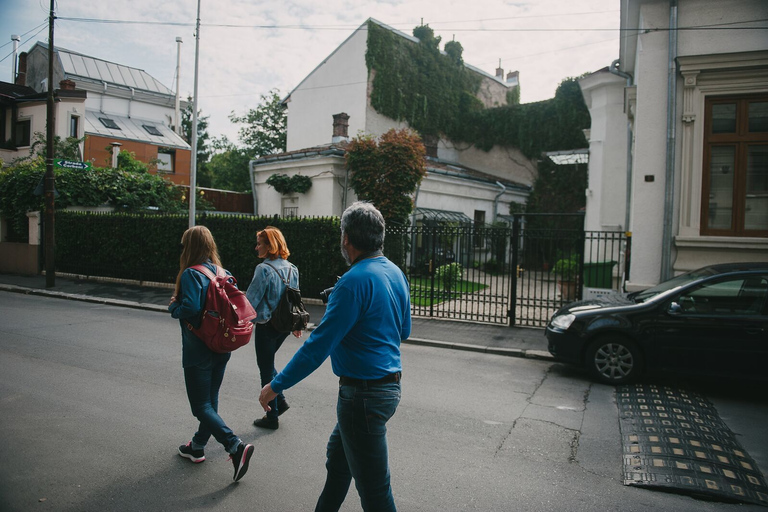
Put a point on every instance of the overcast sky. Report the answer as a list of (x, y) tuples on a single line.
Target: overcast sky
[(248, 47)]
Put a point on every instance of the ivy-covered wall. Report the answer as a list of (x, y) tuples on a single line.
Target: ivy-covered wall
[(436, 95)]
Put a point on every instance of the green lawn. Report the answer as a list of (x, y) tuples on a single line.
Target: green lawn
[(421, 294)]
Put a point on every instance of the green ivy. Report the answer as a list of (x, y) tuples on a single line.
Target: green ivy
[(284, 184), (436, 94)]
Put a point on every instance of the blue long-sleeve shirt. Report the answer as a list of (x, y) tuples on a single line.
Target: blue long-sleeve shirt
[(368, 315)]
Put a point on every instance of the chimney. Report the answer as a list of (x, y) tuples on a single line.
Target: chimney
[(430, 144), (500, 72), (21, 76), (513, 78), (67, 85), (115, 152), (340, 127)]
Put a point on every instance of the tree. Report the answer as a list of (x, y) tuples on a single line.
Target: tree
[(67, 149), (264, 132), (203, 150), (387, 171), (229, 167)]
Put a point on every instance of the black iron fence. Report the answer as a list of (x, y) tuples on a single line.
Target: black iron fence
[(516, 275)]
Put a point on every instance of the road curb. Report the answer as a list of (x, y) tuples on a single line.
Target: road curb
[(83, 298), (500, 351)]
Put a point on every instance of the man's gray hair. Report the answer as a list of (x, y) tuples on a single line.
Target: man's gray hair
[(364, 226)]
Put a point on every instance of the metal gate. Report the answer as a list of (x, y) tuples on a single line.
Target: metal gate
[(462, 270)]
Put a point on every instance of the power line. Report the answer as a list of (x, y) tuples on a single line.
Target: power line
[(44, 25), (719, 26)]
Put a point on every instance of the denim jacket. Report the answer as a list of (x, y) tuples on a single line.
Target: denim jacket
[(266, 288)]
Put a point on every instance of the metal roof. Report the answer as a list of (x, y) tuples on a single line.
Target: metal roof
[(132, 129), (441, 215), (573, 156), (77, 65)]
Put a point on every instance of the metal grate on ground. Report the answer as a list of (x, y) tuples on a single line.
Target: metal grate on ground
[(674, 440)]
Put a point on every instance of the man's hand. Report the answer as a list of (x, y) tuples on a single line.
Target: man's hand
[(266, 396)]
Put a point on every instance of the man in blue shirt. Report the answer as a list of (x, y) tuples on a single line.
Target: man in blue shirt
[(368, 315)]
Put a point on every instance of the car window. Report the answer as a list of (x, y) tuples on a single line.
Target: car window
[(742, 296), (675, 282)]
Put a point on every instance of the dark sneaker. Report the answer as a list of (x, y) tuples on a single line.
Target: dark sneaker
[(282, 406), (240, 460), (267, 422), (187, 452)]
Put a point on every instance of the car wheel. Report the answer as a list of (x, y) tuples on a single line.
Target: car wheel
[(614, 360)]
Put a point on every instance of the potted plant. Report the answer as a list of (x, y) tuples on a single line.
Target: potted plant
[(566, 270)]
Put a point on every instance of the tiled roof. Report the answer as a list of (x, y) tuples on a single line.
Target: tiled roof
[(15, 91)]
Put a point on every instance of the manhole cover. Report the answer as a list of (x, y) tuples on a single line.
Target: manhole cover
[(674, 440)]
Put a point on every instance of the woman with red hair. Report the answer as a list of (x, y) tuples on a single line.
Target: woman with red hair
[(264, 293)]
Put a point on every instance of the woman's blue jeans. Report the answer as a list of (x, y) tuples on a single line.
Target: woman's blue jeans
[(203, 383), (358, 448), (268, 341)]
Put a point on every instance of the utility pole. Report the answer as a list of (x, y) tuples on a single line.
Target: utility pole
[(50, 179), (193, 166)]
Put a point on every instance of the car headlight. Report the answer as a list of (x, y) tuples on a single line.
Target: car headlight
[(563, 321)]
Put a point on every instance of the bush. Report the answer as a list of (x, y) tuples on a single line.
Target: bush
[(566, 269), (449, 275), (125, 190)]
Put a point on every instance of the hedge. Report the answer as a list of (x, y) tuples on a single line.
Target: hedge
[(146, 247)]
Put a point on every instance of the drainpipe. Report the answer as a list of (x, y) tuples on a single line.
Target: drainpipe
[(496, 201), (628, 202), (15, 40), (177, 117), (669, 184), (130, 102), (251, 166), (103, 93)]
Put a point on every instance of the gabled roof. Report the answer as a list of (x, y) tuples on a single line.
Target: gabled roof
[(83, 67), (394, 31)]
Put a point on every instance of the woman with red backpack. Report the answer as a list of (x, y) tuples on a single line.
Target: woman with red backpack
[(203, 368)]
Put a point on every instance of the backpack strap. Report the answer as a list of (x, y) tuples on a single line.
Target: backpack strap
[(286, 282), (207, 273)]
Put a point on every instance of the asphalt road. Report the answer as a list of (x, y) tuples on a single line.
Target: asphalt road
[(93, 407)]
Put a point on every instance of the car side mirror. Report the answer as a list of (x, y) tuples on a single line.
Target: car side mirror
[(674, 309)]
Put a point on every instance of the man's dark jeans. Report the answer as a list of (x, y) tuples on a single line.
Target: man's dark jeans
[(358, 448)]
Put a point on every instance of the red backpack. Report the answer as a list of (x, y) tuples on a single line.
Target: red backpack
[(227, 313)]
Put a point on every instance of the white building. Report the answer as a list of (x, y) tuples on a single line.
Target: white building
[(124, 105), (333, 102), (679, 136)]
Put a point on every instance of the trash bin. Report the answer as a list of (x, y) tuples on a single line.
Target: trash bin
[(599, 274)]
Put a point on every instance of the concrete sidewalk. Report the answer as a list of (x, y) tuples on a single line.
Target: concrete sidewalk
[(477, 337)]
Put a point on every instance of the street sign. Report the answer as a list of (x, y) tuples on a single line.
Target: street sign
[(70, 164)]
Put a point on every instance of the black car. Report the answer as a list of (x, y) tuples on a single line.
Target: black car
[(713, 320)]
